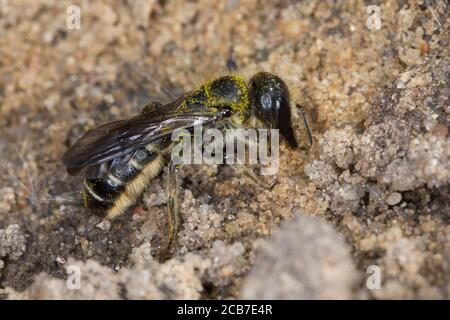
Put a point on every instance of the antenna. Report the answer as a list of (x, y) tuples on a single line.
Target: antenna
[(305, 124)]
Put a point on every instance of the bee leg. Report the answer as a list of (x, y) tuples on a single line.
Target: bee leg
[(173, 187), (246, 170), (68, 198), (305, 124), (257, 180), (151, 106)]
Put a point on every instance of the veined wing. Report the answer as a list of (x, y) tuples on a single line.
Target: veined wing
[(119, 138)]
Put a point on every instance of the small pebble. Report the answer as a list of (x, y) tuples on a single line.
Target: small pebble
[(60, 260), (104, 225), (394, 198)]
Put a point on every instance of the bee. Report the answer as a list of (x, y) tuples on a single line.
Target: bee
[(119, 159)]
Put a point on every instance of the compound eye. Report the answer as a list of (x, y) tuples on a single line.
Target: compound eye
[(266, 101)]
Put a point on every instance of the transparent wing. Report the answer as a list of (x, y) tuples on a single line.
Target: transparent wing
[(94, 152)]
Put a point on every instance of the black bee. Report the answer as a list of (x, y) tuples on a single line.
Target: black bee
[(119, 159)]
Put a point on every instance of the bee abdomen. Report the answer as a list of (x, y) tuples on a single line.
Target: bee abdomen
[(100, 194), (111, 196)]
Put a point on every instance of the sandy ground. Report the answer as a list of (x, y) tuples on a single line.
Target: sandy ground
[(371, 194)]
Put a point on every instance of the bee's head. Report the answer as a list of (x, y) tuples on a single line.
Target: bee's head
[(269, 99)]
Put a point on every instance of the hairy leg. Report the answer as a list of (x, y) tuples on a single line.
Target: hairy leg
[(173, 187), (305, 124)]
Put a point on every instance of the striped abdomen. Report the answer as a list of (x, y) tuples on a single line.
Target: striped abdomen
[(112, 195)]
